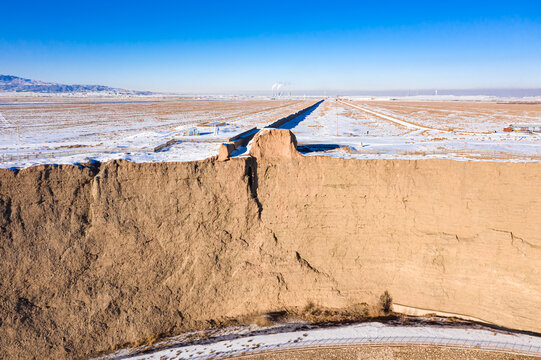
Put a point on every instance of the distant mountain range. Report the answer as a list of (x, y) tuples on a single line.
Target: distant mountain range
[(10, 83)]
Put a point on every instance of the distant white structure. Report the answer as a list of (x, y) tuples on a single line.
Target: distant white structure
[(279, 89)]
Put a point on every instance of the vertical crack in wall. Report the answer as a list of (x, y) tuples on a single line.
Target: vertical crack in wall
[(251, 175)]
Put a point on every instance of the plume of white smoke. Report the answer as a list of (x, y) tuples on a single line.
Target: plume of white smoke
[(276, 88)]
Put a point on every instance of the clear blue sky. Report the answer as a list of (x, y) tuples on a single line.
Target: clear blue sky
[(228, 46)]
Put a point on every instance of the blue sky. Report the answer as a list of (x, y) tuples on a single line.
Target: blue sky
[(235, 46)]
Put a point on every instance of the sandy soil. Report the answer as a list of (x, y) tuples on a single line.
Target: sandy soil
[(385, 353)]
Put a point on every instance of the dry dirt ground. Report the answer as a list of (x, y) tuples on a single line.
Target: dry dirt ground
[(119, 115), (386, 353), (459, 115)]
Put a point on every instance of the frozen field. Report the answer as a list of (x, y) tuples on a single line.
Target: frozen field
[(460, 115), (416, 130), (77, 130), (64, 130)]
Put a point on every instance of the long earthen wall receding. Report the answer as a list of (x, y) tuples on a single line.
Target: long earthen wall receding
[(92, 258)]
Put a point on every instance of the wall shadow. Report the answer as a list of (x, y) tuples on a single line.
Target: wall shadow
[(308, 148), (296, 120)]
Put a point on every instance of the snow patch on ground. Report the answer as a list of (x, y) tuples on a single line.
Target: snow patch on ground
[(352, 133), (30, 134), (71, 133), (250, 339)]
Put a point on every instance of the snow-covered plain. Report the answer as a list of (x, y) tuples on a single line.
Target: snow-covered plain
[(339, 130), (67, 132), (45, 130), (249, 339)]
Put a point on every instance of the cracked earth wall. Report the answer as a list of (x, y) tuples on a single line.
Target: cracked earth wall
[(95, 257)]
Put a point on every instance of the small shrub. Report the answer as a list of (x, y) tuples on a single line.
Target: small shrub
[(385, 302)]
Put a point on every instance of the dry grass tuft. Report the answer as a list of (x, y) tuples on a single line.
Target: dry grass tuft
[(385, 301)]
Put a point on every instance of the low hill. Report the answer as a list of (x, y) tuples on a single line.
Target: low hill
[(10, 83)]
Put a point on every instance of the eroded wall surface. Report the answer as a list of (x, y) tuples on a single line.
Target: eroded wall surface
[(458, 237), (92, 258)]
